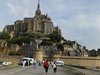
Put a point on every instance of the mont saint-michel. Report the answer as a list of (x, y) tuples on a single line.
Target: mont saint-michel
[(40, 28), (37, 37)]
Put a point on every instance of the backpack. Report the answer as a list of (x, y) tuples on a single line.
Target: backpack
[(46, 64)]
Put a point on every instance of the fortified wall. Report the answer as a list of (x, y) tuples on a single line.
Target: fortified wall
[(91, 62), (81, 61)]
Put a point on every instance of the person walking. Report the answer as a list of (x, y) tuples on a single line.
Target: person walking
[(39, 63), (23, 62), (54, 67), (46, 66), (34, 64)]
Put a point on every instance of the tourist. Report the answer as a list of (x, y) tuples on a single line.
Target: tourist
[(34, 64), (39, 63), (51, 63), (46, 66), (54, 67), (23, 62)]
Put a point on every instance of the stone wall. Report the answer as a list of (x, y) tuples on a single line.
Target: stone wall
[(70, 60), (38, 55), (79, 61)]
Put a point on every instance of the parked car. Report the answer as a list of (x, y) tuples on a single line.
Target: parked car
[(7, 63), (4, 63), (29, 61), (59, 63)]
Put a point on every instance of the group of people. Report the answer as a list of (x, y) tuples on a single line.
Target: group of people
[(46, 66)]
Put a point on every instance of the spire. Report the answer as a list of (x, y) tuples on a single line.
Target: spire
[(38, 11), (38, 6)]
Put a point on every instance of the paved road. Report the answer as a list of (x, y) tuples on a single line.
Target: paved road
[(40, 71)]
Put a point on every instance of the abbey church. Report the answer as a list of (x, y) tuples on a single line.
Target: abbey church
[(40, 23)]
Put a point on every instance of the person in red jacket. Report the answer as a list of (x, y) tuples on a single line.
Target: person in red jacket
[(46, 66)]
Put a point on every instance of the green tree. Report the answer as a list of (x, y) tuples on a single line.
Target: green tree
[(93, 53), (4, 35), (60, 46), (23, 38), (56, 38), (46, 42)]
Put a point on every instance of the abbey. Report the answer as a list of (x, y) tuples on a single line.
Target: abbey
[(38, 24)]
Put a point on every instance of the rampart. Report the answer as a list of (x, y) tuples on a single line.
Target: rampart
[(78, 61)]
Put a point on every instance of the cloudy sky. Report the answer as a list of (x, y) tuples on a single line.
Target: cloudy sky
[(79, 20)]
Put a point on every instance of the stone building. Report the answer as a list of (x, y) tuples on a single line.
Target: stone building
[(72, 48), (85, 52), (50, 50), (40, 23), (76, 45), (29, 49), (3, 43), (3, 47)]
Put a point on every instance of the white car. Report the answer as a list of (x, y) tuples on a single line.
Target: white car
[(6, 63), (29, 61), (59, 63)]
